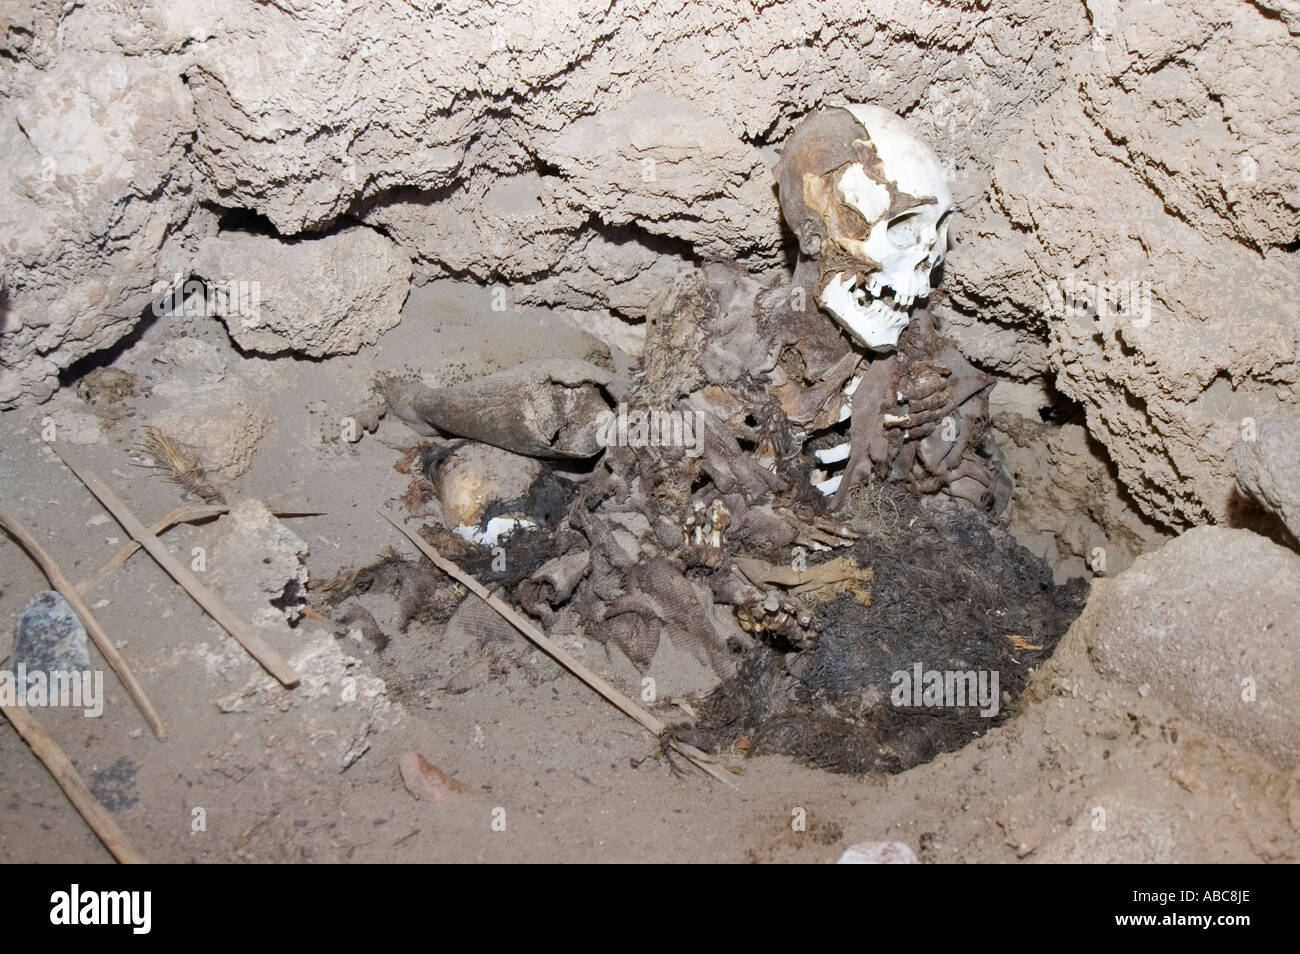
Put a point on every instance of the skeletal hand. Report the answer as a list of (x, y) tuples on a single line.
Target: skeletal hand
[(702, 532), (773, 616), (927, 397)]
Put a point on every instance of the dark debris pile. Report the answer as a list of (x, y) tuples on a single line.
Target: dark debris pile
[(951, 592)]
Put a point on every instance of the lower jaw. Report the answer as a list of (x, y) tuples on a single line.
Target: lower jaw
[(871, 333)]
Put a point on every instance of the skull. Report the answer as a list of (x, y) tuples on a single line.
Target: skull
[(869, 201)]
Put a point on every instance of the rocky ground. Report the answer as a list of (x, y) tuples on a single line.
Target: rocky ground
[(1133, 744)]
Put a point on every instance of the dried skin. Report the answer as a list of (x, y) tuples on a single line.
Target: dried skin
[(836, 570)]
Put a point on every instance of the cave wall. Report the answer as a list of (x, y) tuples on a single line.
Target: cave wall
[(581, 152), (1166, 170)]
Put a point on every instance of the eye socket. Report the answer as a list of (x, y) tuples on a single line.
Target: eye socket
[(904, 231)]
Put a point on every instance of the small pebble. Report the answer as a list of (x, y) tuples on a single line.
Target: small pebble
[(878, 853)]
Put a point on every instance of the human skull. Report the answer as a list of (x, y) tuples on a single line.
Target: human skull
[(868, 199)]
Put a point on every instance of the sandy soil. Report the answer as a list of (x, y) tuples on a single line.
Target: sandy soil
[(1087, 770)]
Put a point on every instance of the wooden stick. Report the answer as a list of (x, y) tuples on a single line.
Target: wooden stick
[(271, 660), (96, 632), (653, 725), (119, 558), (165, 523), (96, 816)]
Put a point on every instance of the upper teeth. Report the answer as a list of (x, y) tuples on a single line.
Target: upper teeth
[(876, 289), (875, 322)]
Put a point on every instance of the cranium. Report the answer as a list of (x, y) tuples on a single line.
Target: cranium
[(869, 201)]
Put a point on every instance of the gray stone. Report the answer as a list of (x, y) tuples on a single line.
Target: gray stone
[(1268, 468), (257, 566), (318, 297), (1210, 622), (115, 786), (48, 636)]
